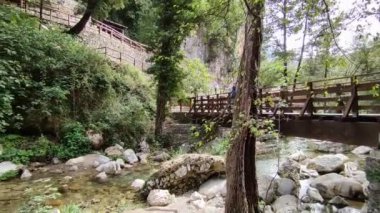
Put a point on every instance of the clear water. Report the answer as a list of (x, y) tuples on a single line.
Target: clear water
[(116, 195)]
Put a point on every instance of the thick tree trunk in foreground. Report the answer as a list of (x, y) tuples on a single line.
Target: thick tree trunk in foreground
[(78, 27), (242, 192)]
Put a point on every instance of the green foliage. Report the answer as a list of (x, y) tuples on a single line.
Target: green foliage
[(221, 147), (373, 174), (9, 175), (74, 141), (204, 133), (37, 203), (72, 208), (48, 78), (23, 150)]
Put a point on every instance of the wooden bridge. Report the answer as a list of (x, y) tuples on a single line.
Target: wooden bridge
[(343, 109)]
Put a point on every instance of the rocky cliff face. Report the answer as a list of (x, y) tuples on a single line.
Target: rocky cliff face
[(217, 57)]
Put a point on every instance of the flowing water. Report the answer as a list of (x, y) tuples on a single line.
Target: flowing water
[(50, 188)]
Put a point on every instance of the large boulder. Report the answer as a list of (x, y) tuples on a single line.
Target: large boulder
[(88, 160), (6, 168), (362, 150), (130, 156), (95, 138), (332, 184), (298, 156), (328, 163), (290, 169), (286, 204), (331, 147), (286, 186), (213, 187), (160, 156), (159, 197), (306, 173), (267, 188), (185, 173), (114, 151)]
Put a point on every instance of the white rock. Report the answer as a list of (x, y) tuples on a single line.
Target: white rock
[(26, 175), (56, 161), (73, 168), (88, 160), (263, 183), (314, 194), (143, 157), (285, 186), (110, 168), (130, 156), (328, 163), (213, 187), (268, 209), (217, 201), (7, 166), (307, 173), (137, 184), (114, 151), (332, 184), (196, 196), (101, 177), (285, 203), (298, 156), (159, 197), (349, 210), (362, 150), (199, 204)]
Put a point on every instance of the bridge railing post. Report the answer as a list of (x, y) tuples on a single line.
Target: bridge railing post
[(201, 104), (308, 106), (208, 104), (338, 94), (217, 103), (354, 93)]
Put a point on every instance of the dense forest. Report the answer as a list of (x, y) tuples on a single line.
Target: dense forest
[(62, 100)]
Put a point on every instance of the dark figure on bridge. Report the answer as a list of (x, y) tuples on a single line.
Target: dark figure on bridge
[(231, 97)]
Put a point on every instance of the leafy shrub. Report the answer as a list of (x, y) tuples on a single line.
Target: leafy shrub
[(48, 78), (74, 141), (8, 175), (23, 150)]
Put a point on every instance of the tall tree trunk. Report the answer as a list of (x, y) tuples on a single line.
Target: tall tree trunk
[(242, 192), (302, 51), (78, 27), (160, 110), (284, 29)]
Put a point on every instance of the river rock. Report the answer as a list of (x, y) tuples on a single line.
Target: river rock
[(213, 187), (216, 201), (351, 170), (144, 146), (95, 138), (26, 175), (138, 184), (143, 157), (267, 188), (120, 162), (349, 210), (56, 161), (161, 157), (130, 156), (328, 163), (73, 168), (362, 150), (111, 167), (88, 160), (196, 196), (290, 169), (114, 151), (314, 195), (185, 173), (332, 184), (7, 166), (268, 209), (101, 177), (331, 147), (159, 197), (286, 186), (339, 202), (298, 156), (306, 173), (285, 204), (199, 204)]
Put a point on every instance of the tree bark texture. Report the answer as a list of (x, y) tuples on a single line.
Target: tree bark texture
[(242, 192), (160, 110), (284, 28), (78, 27)]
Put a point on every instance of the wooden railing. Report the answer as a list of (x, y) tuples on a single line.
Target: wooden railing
[(344, 97), (118, 56), (52, 13)]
